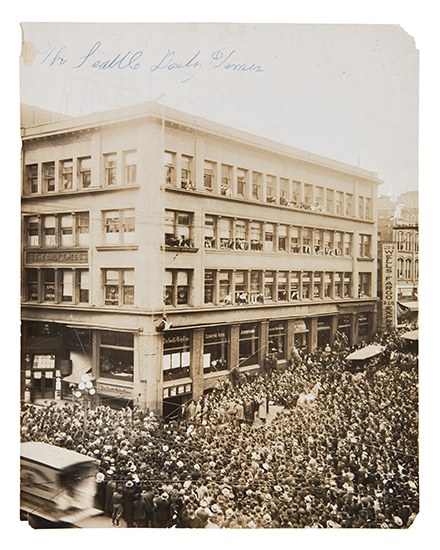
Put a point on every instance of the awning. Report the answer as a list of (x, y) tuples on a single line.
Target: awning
[(412, 335), (365, 353), (408, 306), (75, 378)]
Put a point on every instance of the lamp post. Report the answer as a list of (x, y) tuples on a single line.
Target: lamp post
[(85, 391)]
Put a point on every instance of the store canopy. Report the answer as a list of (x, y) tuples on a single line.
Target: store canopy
[(412, 335), (365, 353), (75, 378), (408, 306)]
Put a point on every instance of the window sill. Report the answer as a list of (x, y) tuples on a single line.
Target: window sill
[(365, 259), (105, 248), (179, 249), (80, 191)]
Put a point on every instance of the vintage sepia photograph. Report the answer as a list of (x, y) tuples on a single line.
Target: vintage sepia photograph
[(219, 281)]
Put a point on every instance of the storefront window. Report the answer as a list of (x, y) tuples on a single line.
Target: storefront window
[(176, 354), (215, 349), (363, 325), (277, 338), (248, 344), (323, 331), (116, 355)]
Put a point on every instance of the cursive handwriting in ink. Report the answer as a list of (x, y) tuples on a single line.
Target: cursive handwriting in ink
[(53, 56), (167, 62), (224, 58), (121, 61)]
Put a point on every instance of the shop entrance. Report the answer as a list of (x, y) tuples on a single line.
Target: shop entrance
[(43, 384), (173, 407)]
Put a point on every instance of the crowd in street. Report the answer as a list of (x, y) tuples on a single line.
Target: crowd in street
[(346, 457)]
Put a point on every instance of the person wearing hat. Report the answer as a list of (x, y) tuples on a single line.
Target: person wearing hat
[(128, 502), (118, 507), (162, 511)]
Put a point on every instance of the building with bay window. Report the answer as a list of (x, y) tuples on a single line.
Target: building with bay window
[(245, 246)]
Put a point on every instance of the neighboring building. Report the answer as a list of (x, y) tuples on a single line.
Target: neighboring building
[(398, 230), (161, 250)]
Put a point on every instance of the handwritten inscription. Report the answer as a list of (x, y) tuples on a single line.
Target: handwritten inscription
[(187, 66)]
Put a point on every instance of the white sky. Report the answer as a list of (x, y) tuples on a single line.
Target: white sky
[(348, 92)]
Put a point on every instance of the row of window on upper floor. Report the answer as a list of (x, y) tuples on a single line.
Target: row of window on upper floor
[(120, 169), (233, 181), (220, 233), (407, 241), (221, 287), (407, 269)]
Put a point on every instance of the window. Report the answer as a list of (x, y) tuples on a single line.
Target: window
[(277, 338), (178, 228), (66, 230), (116, 355), (49, 176), (317, 285), (177, 287), (33, 231), (240, 287), (255, 233), (66, 174), (32, 178), (348, 204), (224, 287), (85, 172), (48, 285), (319, 196), (294, 285), (282, 286), (400, 273), (242, 175), (306, 285), (364, 284), (368, 212), (337, 241), (215, 349), (255, 292), (364, 246), (306, 240), (210, 232), (361, 206), (348, 237), (209, 286), (327, 237), (347, 285), (110, 169), (83, 285), (408, 269), (284, 191), (282, 238), (32, 293), (185, 173), (269, 237), (308, 194), (248, 344), (225, 233), (330, 200), (66, 280), (317, 241), (271, 185), (176, 354), (256, 185), (49, 233), (209, 176), (338, 278), (83, 228), (241, 238), (269, 285), (339, 204), (226, 187), (295, 241), (119, 227), (296, 191), (328, 285), (170, 168), (118, 287), (130, 167)]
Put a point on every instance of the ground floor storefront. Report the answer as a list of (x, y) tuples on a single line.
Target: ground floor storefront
[(163, 370)]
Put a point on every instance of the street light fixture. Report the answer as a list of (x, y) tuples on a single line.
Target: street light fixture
[(85, 391)]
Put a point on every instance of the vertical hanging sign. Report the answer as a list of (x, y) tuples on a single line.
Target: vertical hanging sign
[(389, 286)]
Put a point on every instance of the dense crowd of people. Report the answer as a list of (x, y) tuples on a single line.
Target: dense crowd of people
[(347, 457)]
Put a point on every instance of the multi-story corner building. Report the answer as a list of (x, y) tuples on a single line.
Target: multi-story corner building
[(398, 231), (243, 246)]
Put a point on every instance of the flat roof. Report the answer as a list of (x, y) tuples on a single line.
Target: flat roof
[(151, 110)]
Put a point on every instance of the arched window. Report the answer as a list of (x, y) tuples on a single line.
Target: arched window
[(408, 240), (408, 268), (416, 270), (400, 268), (400, 240)]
